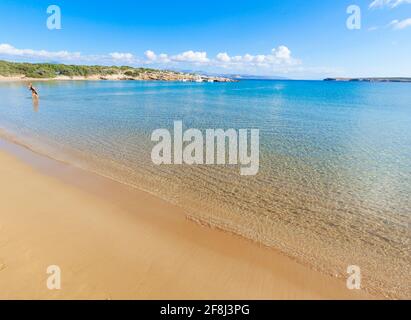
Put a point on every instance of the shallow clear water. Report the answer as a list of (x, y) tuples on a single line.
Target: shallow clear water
[(335, 165)]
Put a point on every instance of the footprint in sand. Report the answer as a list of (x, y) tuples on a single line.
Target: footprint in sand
[(2, 265)]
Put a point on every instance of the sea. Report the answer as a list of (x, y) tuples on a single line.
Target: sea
[(333, 188)]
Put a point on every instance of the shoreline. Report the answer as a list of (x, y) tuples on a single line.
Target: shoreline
[(118, 77), (65, 78), (158, 253)]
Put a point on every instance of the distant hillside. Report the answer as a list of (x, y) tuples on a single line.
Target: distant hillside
[(62, 71), (236, 76), (394, 79), (254, 77), (47, 70)]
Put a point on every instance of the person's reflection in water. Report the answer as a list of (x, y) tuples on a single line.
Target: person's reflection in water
[(35, 104)]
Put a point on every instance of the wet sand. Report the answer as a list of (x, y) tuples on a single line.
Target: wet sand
[(114, 242)]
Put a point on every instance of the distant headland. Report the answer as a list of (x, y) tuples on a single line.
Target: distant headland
[(13, 71), (370, 79)]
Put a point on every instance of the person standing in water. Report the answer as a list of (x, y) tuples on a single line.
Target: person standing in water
[(34, 92)]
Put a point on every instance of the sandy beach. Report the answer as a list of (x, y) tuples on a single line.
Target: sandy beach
[(154, 151), (114, 242)]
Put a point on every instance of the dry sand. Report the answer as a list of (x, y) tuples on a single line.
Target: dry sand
[(114, 242)]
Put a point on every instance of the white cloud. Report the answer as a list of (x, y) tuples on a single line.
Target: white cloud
[(279, 56), (163, 58), (191, 56), (150, 55), (9, 50), (282, 52), (223, 57), (387, 3), (280, 59), (66, 56), (236, 58), (184, 57), (118, 56), (248, 58), (399, 25)]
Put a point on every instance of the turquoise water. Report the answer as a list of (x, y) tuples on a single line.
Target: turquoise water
[(335, 164)]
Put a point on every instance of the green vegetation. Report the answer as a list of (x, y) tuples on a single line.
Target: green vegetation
[(46, 71), (51, 70)]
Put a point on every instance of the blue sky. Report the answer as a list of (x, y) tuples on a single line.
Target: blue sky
[(293, 38)]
